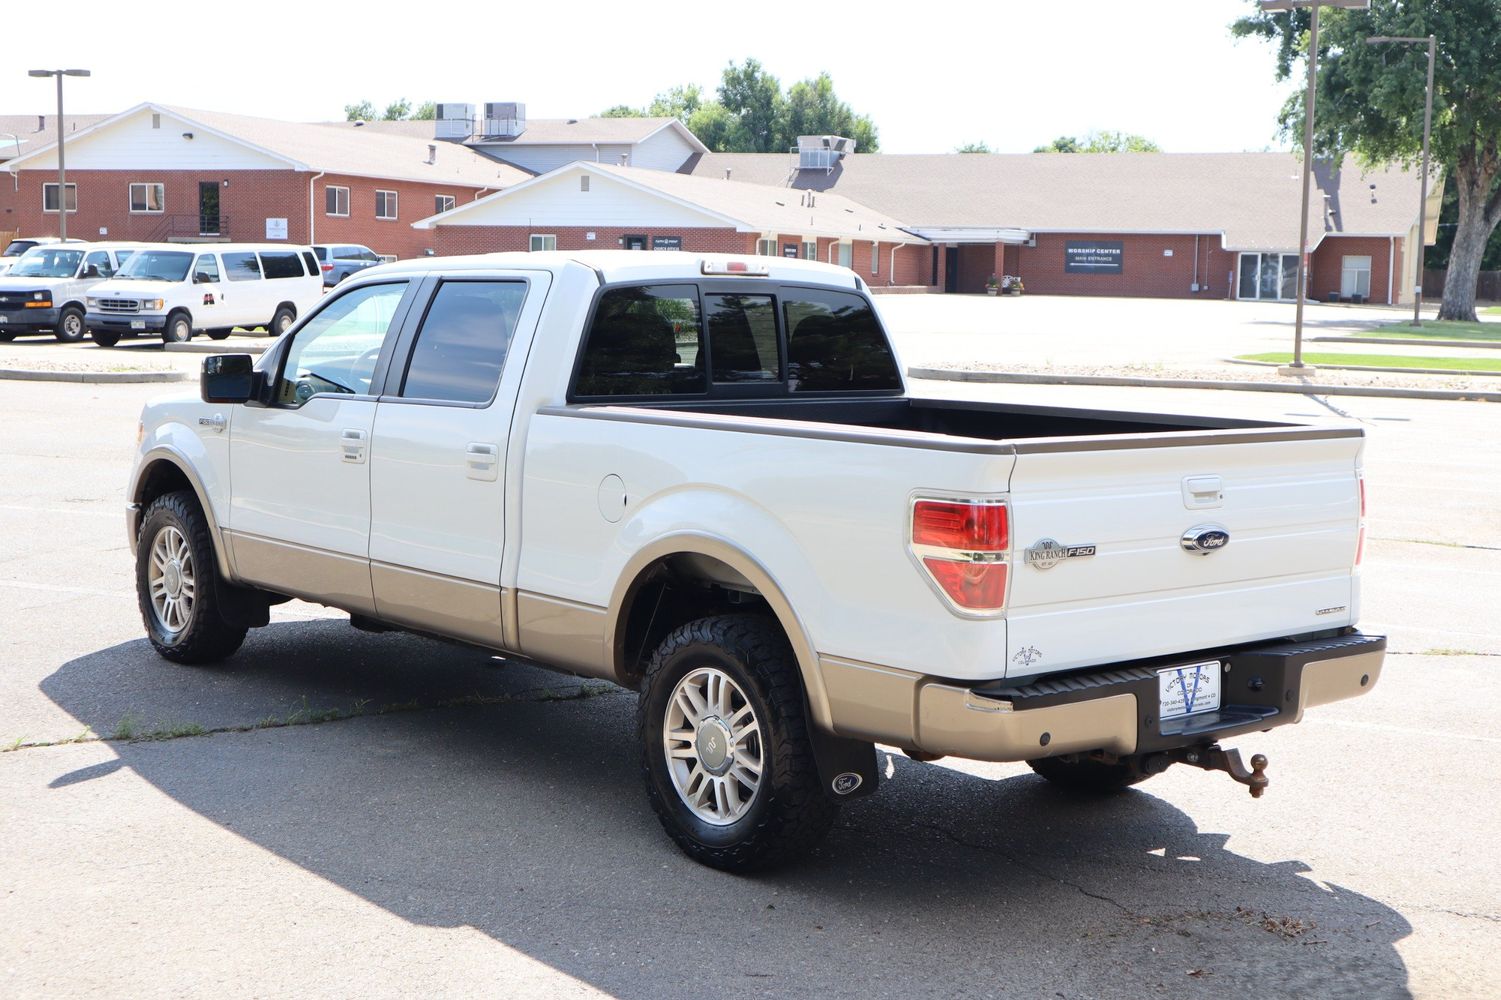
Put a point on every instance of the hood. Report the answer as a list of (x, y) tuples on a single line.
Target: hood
[(10, 283), (125, 288)]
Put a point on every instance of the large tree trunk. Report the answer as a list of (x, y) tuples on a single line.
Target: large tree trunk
[(1479, 211)]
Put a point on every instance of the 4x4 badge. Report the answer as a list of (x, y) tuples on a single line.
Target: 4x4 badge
[(1047, 553)]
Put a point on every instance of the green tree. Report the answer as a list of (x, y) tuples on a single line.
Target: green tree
[(398, 110), (621, 111), (714, 126), (812, 108), (1101, 142), (974, 147), (426, 111), (364, 111), (753, 97), (679, 102), (1370, 103)]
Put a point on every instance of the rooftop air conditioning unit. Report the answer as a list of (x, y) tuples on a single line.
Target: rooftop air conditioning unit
[(455, 121), (504, 120), (821, 152)]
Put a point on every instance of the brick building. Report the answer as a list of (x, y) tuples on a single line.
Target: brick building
[(587, 205), (162, 174), (1213, 225)]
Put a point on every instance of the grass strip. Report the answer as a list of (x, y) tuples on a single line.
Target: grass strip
[(1383, 361)]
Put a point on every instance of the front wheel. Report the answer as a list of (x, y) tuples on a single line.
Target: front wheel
[(176, 583), (1085, 776), (179, 329), (725, 752), (69, 329)]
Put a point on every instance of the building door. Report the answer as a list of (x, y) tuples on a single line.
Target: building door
[(635, 242), (950, 269), (208, 208), (1268, 276)]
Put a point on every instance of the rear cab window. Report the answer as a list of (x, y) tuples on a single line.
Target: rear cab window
[(718, 340)]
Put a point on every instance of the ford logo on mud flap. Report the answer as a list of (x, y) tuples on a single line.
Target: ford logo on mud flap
[(846, 783), (1204, 539)]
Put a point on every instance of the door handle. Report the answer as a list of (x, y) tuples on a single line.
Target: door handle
[(352, 441), (483, 461)]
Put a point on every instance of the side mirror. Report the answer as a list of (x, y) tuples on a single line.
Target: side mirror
[(229, 378)]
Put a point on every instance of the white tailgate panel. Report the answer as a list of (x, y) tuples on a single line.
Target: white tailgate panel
[(1291, 509)]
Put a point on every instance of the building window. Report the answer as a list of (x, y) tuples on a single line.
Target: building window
[(766, 248), (584, 183), (146, 198), (842, 254), (49, 197), (156, 121), (875, 259), (336, 201), (443, 203), (385, 204), (810, 250), (1355, 278), (541, 241)]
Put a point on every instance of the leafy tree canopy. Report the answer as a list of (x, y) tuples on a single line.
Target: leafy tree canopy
[(1370, 103), (974, 147), (1101, 142), (398, 110)]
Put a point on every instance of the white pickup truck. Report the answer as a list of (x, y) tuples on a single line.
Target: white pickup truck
[(701, 477)]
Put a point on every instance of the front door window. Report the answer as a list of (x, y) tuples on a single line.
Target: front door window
[(336, 350)]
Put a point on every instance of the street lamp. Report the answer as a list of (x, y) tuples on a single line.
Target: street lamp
[(1432, 43), (62, 173), (1298, 367)]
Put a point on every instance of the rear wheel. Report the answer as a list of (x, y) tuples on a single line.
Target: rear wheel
[(104, 338), (179, 328), (1081, 774), (281, 321), (177, 583), (725, 752), (69, 329)]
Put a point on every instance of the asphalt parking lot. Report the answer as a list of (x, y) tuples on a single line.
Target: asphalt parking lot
[(388, 816)]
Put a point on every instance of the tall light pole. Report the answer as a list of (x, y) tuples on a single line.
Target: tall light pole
[(1432, 43), (1298, 367), (62, 173)]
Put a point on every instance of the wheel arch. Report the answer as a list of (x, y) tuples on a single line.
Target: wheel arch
[(710, 559), (165, 469)]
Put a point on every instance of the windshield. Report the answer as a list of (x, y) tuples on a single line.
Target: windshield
[(17, 248), (156, 265), (39, 262)]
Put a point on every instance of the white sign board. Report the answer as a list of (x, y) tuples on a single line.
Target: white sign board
[(276, 229)]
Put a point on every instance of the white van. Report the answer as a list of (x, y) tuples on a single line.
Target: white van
[(45, 289), (179, 290)]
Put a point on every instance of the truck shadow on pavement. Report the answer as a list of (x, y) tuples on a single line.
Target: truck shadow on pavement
[(508, 799)]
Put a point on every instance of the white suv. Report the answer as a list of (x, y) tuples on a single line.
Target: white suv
[(178, 291)]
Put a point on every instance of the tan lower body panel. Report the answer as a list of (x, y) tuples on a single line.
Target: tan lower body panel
[(446, 605), (564, 633), (1325, 681), (951, 720), (871, 702), (332, 578)]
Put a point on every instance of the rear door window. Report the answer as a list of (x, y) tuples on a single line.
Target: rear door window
[(835, 342), (242, 267), (644, 341), (282, 265), (743, 338), (462, 343)]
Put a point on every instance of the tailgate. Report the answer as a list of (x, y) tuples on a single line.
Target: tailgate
[(1273, 515)]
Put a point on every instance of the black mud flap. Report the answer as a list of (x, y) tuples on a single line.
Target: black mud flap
[(243, 606), (847, 768)]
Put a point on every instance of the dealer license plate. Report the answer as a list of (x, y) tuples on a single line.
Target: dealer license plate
[(138, 324), (1189, 689)]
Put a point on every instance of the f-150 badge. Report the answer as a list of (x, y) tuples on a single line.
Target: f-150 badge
[(1047, 553)]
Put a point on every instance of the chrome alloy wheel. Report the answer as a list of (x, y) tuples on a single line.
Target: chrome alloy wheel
[(171, 580), (712, 741)]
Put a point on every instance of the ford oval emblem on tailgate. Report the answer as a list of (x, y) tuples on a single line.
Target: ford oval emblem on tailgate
[(1204, 539)]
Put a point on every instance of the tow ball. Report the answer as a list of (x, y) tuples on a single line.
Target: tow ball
[(1214, 758)]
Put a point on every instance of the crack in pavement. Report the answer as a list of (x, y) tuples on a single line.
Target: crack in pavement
[(305, 716)]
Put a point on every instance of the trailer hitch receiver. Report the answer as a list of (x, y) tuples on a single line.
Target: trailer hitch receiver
[(1213, 758)]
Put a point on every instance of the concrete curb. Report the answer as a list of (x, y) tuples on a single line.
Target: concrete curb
[(226, 346), (1279, 365), (1026, 378), (110, 378), (1484, 345)]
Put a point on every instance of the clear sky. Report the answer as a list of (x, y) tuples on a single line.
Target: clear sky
[(933, 75)]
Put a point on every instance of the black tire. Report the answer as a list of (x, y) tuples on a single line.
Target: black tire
[(178, 328), (203, 637), (6, 336), (220, 333), (789, 813), (69, 328), (104, 338), (1084, 776), (282, 321)]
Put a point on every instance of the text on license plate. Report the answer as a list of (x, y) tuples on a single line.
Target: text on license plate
[(138, 324), (1189, 689)]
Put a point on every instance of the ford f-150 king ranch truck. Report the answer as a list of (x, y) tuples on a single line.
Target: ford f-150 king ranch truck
[(701, 477)]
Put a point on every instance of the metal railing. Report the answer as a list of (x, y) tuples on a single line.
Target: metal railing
[(191, 227)]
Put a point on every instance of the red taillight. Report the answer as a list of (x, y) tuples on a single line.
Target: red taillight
[(328, 267), (972, 527), (962, 545)]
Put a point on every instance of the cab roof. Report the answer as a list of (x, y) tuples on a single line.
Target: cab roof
[(619, 266)]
